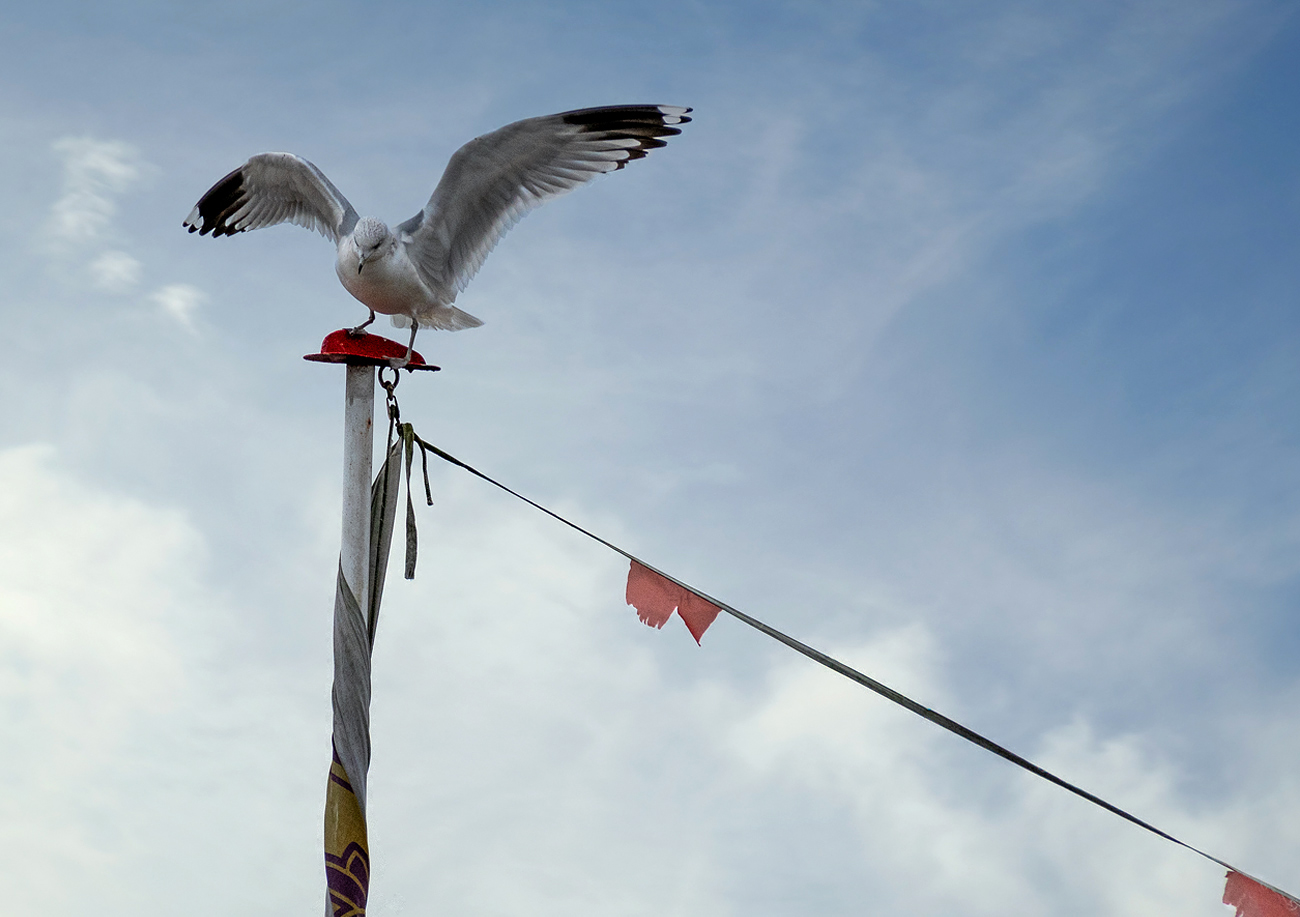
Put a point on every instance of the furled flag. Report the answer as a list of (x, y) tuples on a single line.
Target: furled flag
[(347, 848), (1254, 899), (656, 597)]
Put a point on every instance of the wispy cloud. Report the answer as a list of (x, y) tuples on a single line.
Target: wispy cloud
[(180, 302), (115, 272), (96, 173)]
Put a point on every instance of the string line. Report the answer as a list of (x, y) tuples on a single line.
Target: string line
[(853, 674)]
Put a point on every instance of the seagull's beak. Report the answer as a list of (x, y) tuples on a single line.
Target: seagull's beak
[(361, 261)]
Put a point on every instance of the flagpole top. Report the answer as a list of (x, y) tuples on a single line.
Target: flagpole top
[(365, 350)]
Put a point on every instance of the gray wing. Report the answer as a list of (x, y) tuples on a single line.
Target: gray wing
[(273, 188), (495, 179)]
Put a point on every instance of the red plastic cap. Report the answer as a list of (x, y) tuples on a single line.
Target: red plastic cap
[(364, 349)]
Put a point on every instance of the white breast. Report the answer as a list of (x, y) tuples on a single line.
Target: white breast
[(388, 284)]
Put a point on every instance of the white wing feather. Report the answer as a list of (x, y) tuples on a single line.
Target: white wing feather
[(273, 188), (492, 181)]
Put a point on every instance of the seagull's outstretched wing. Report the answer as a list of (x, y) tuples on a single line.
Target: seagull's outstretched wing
[(273, 188), (495, 179)]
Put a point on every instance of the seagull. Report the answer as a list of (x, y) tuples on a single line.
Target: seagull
[(414, 271)]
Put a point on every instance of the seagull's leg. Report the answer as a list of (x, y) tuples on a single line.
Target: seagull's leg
[(410, 347), (361, 329)]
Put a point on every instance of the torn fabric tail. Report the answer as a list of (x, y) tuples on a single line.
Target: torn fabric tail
[(347, 850), (1253, 898), (655, 597)]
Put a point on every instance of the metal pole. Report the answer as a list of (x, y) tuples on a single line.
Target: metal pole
[(358, 446), (347, 848), (357, 591)]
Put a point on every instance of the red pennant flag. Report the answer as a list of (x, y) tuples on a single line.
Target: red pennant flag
[(655, 598), (1251, 899)]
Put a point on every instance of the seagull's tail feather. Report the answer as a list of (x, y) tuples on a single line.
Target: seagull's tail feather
[(444, 318)]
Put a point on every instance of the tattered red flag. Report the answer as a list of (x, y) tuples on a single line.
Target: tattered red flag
[(1254, 899), (656, 598)]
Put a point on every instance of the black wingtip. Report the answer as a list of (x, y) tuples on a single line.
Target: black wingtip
[(217, 206), (643, 123), (628, 114)]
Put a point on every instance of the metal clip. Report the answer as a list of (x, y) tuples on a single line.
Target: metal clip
[(390, 395)]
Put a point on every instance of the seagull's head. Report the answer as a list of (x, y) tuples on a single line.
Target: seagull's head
[(372, 239)]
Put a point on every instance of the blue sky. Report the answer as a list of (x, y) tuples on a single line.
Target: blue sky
[(956, 339)]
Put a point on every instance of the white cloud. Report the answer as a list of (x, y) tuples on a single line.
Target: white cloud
[(89, 584), (139, 741), (115, 271), (83, 577), (96, 172), (180, 302)]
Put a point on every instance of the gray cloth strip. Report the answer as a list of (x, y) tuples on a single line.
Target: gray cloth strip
[(354, 634)]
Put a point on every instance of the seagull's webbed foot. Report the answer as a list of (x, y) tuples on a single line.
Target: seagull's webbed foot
[(361, 329)]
